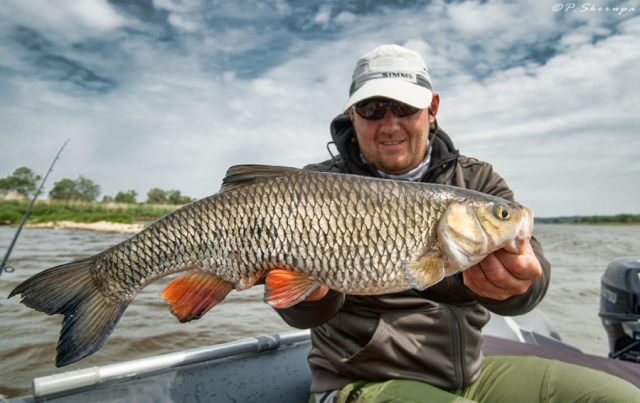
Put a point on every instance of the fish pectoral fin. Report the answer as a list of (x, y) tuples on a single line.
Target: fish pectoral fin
[(239, 176), (427, 271), (194, 293), (285, 288)]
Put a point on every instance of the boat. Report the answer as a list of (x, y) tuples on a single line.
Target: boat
[(273, 368)]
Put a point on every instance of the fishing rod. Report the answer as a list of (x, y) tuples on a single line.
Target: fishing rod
[(10, 269)]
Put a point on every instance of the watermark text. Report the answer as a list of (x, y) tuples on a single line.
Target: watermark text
[(590, 7)]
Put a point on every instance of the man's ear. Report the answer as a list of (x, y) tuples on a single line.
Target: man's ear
[(354, 138), (433, 108)]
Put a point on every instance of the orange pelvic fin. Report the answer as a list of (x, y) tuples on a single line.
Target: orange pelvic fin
[(285, 288), (194, 293)]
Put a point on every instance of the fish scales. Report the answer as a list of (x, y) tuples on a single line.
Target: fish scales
[(353, 234)]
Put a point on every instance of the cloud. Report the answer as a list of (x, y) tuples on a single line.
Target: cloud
[(174, 92), (324, 16), (419, 46), (568, 123), (68, 20), (96, 14), (345, 17), (143, 10), (55, 67)]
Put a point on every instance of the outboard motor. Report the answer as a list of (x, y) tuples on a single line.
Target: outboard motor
[(620, 308)]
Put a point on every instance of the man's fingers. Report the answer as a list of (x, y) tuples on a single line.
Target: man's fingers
[(522, 267), (502, 274), (493, 272), (476, 280)]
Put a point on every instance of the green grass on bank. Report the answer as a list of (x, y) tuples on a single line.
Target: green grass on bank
[(57, 210)]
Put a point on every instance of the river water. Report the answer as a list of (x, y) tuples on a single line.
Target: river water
[(578, 255)]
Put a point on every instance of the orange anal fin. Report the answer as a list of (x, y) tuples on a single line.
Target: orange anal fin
[(194, 293), (285, 288)]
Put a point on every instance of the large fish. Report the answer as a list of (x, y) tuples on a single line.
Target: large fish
[(298, 229)]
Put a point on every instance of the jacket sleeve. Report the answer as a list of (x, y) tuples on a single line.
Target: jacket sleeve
[(306, 315), (480, 176)]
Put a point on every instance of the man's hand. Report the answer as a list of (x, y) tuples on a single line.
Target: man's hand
[(502, 274)]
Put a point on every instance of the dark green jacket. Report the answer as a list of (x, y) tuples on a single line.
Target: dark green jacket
[(433, 336)]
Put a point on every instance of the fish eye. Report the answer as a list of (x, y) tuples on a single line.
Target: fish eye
[(501, 212)]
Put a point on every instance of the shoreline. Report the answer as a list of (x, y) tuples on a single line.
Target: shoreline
[(630, 224), (103, 226)]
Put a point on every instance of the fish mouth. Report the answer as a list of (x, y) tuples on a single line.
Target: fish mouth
[(517, 246), (519, 243)]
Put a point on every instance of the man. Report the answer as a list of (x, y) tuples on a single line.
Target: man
[(421, 345)]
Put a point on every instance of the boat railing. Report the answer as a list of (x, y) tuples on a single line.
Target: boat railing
[(83, 378)]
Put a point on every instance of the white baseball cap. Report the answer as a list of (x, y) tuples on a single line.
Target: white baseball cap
[(391, 71)]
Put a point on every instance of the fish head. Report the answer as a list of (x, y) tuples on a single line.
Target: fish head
[(474, 227)]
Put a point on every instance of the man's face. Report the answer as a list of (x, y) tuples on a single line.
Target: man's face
[(395, 145)]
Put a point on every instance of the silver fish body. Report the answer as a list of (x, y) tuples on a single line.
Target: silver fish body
[(353, 234)]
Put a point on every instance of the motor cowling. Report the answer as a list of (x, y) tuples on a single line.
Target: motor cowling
[(620, 308)]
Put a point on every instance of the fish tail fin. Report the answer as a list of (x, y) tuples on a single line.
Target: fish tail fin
[(89, 315)]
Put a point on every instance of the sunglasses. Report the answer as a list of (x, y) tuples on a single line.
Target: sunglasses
[(374, 109)]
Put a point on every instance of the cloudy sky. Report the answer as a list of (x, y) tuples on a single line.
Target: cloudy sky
[(170, 93)]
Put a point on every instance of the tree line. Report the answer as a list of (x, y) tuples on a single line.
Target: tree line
[(620, 218), (23, 180), (595, 219)]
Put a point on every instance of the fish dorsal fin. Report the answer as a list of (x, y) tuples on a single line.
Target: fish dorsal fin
[(239, 176)]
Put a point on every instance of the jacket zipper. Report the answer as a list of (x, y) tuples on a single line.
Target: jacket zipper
[(458, 353)]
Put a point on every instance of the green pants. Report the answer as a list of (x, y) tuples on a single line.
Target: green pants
[(504, 379)]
